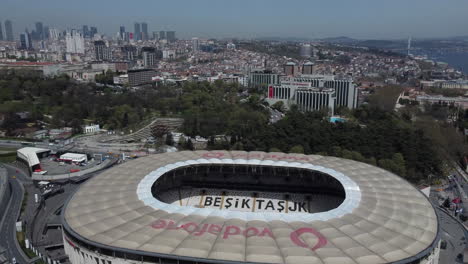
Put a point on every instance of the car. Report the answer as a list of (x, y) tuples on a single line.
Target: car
[(13, 261)]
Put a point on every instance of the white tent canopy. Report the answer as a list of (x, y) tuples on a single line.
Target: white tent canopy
[(74, 157)]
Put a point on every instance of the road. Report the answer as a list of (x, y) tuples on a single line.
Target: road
[(8, 226), (454, 234)]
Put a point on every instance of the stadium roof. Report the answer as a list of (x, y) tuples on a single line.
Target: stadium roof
[(383, 219), (30, 154)]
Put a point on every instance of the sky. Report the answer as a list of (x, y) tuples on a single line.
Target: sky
[(361, 19)]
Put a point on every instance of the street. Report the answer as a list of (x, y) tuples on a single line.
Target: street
[(8, 218)]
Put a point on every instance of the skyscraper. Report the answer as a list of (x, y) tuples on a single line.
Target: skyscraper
[(162, 34), (170, 36), (144, 31), (195, 44), (25, 41), (93, 31), (1, 31), (9, 30), (39, 31), (122, 32), (137, 32), (46, 32), (86, 31)]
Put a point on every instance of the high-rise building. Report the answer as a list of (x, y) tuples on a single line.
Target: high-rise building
[(306, 51), (74, 42), (290, 68), (122, 33), (195, 44), (93, 31), (137, 31), (9, 30), (155, 35), (308, 68), (1, 31), (162, 34), (102, 52), (39, 31), (144, 31), (129, 52), (46, 32), (149, 56), (25, 41), (85, 31), (171, 36), (53, 34)]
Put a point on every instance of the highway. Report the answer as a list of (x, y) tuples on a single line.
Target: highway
[(8, 218)]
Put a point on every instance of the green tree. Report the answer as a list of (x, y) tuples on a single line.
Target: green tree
[(297, 149)]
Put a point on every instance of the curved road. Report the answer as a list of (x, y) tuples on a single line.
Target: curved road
[(8, 218)]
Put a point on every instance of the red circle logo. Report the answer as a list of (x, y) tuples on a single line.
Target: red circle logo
[(296, 238)]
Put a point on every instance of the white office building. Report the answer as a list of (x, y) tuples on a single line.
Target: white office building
[(311, 93), (346, 91)]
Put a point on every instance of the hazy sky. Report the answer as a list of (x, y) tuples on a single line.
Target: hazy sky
[(251, 18)]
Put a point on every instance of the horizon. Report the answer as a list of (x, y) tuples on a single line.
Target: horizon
[(361, 19)]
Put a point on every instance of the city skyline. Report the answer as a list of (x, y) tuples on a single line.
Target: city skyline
[(362, 19)]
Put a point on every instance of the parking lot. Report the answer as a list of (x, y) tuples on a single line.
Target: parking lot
[(55, 168)]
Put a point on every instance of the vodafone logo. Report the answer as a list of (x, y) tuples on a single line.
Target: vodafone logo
[(225, 232), (296, 238)]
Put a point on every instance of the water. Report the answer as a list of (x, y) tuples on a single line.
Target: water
[(335, 119), (457, 60)]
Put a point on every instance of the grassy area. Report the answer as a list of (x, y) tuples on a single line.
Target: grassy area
[(21, 240), (25, 201), (7, 157)]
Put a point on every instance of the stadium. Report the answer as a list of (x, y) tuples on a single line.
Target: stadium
[(249, 207)]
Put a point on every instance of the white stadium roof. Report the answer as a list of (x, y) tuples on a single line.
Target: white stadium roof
[(383, 219), (30, 155)]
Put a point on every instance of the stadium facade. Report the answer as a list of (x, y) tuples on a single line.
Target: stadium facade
[(249, 207)]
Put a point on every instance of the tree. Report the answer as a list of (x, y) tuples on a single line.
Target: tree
[(279, 106), (169, 139), (189, 145), (297, 149)]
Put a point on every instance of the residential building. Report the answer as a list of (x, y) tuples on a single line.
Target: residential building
[(75, 42), (1, 31), (149, 56), (129, 52), (308, 68), (53, 34), (101, 51)]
